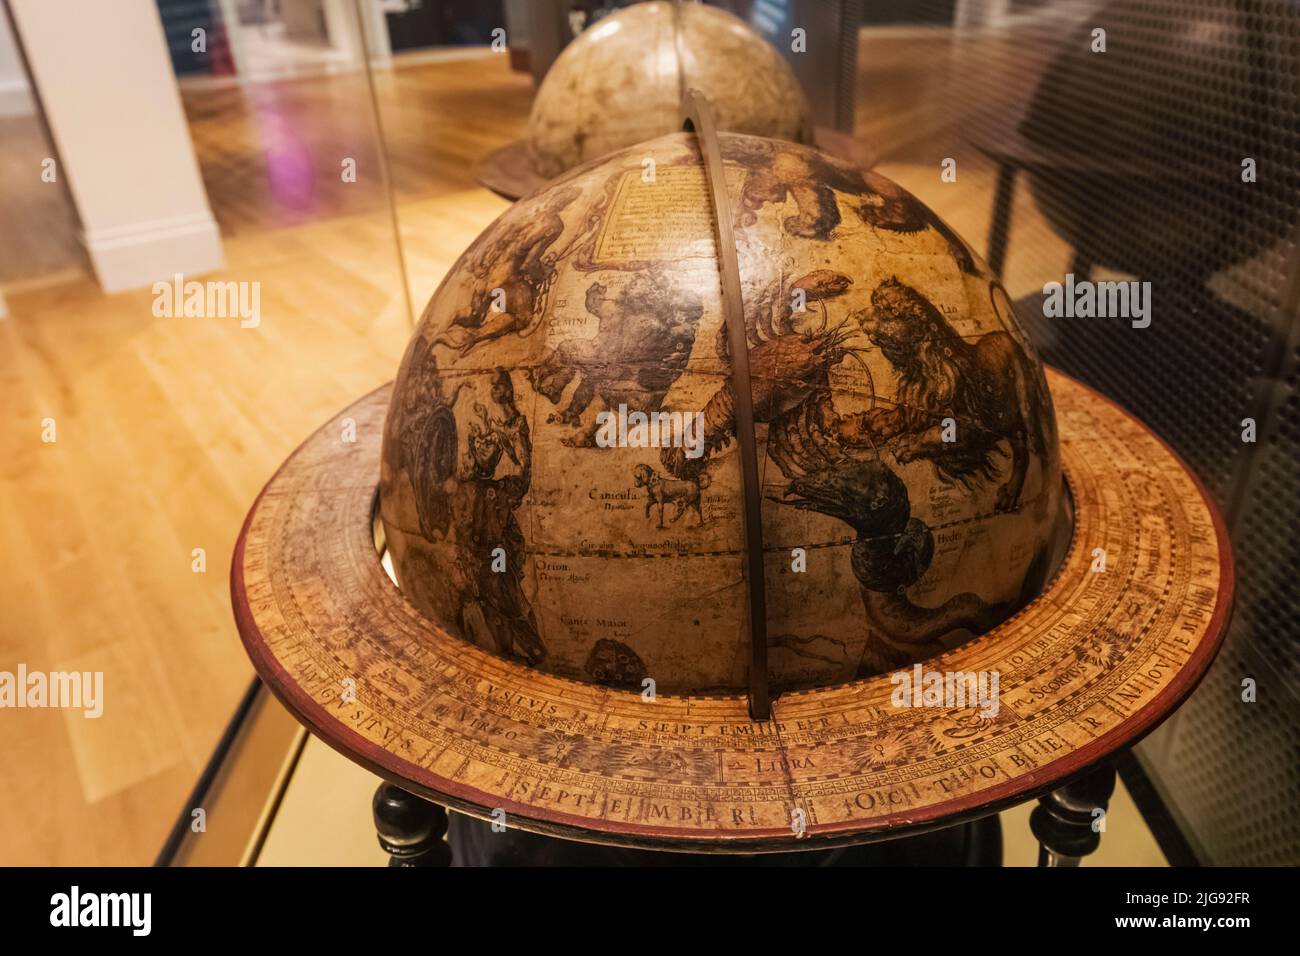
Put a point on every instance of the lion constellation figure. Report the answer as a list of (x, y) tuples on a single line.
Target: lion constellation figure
[(989, 387)]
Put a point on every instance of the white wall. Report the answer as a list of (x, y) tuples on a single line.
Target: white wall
[(345, 32), (114, 112), (15, 97)]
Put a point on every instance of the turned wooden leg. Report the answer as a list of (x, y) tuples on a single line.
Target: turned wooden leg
[(410, 828), (1065, 820)]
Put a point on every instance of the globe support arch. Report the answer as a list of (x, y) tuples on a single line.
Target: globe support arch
[(697, 117)]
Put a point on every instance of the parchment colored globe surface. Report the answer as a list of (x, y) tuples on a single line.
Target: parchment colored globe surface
[(621, 82), (907, 442)]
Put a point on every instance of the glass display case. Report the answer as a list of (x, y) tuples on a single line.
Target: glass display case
[(190, 291)]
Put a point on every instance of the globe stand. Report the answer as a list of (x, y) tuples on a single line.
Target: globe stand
[(410, 828), (1066, 819), (1091, 664)]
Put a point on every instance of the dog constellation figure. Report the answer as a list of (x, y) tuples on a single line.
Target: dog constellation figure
[(682, 493)]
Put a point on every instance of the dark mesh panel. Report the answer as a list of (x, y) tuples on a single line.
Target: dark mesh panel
[(1127, 165), (1232, 770)]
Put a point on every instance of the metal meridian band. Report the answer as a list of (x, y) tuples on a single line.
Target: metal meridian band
[(697, 115)]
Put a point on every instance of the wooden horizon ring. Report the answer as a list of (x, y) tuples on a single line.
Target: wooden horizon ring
[(1092, 665)]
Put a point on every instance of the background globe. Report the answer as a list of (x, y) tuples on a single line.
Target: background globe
[(907, 441), (621, 82)]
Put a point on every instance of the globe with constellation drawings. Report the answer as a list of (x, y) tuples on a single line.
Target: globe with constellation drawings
[(560, 481)]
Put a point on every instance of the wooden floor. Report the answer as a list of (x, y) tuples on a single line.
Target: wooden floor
[(167, 428), (38, 228), (271, 153)]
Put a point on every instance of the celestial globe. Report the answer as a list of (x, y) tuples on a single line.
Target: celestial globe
[(560, 481), (621, 82)]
